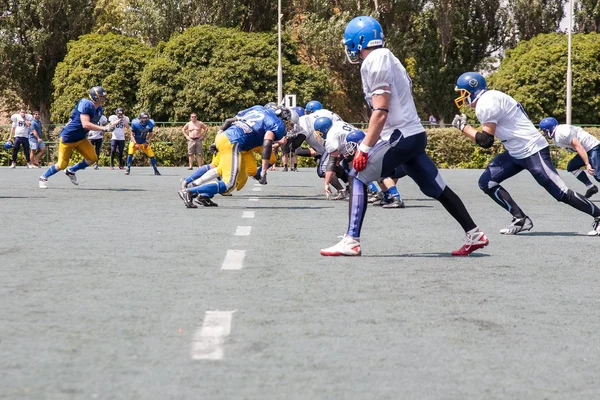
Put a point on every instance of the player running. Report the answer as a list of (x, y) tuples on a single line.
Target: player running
[(142, 131), (576, 140), (502, 116)]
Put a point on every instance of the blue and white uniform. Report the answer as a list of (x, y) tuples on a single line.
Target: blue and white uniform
[(74, 131), (563, 137)]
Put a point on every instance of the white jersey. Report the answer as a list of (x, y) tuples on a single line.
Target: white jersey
[(336, 137), (380, 69), (513, 127), (564, 135), (306, 126), (119, 131), (21, 128), (98, 134)]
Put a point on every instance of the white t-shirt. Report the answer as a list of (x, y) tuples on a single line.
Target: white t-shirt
[(380, 69), (513, 127), (98, 134), (564, 134), (119, 131), (21, 128), (336, 137)]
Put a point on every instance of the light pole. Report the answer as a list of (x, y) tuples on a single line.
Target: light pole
[(569, 72), (279, 69)]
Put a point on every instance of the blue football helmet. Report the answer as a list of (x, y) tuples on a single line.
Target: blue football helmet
[(323, 125), (353, 139), (144, 118), (313, 106), (299, 111), (8, 145), (361, 33), (470, 86), (98, 94), (271, 105), (548, 127)]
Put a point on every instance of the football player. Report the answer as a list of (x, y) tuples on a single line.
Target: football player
[(21, 123), (254, 127), (142, 131), (117, 142), (388, 92), (502, 116), (73, 136), (576, 140)]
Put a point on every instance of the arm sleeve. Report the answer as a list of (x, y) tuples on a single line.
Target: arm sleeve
[(380, 72), (331, 162)]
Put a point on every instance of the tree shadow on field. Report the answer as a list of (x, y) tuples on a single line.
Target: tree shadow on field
[(114, 189), (550, 234), (423, 255)]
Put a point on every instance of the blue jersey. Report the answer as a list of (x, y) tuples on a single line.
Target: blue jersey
[(74, 131), (250, 128), (140, 132), (37, 126)]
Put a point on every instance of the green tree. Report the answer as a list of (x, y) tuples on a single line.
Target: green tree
[(218, 71), (33, 39), (534, 73), (455, 36), (587, 16), (113, 61), (532, 17)]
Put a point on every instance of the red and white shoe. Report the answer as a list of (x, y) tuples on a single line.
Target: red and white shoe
[(474, 240), (348, 246)]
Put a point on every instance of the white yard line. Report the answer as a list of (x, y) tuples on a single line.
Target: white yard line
[(248, 214), (253, 199), (210, 338), (256, 189), (243, 231), (234, 260)]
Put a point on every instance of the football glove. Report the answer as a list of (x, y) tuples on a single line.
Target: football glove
[(360, 160), (459, 121)]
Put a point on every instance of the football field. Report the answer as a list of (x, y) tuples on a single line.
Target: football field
[(114, 290)]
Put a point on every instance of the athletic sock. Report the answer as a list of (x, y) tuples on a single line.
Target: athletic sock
[(393, 192), (357, 207), (51, 171), (81, 165), (503, 198), (582, 177), (454, 205)]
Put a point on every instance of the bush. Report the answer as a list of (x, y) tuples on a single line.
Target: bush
[(447, 147)]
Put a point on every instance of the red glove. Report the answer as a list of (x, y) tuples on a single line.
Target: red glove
[(360, 160)]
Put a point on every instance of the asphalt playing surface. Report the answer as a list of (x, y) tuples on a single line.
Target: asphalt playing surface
[(104, 285)]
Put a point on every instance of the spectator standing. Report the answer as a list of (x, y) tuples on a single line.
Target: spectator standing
[(20, 130), (117, 143), (36, 140), (95, 138), (195, 131)]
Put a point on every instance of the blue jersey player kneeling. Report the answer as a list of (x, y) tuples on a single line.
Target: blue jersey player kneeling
[(73, 136), (142, 131)]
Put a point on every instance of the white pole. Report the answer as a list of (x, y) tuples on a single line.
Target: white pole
[(279, 69), (569, 72)]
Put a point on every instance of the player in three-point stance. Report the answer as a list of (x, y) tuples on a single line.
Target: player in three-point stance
[(142, 131), (576, 140), (73, 136), (387, 88), (502, 116)]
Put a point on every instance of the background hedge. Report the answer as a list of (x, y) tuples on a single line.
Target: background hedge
[(447, 147)]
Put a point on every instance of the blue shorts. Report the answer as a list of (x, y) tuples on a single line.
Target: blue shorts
[(35, 145)]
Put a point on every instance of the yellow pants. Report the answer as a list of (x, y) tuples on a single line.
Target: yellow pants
[(230, 162), (145, 148), (66, 149)]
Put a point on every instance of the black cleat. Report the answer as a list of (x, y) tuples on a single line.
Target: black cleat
[(156, 172), (591, 191), (187, 199), (206, 201)]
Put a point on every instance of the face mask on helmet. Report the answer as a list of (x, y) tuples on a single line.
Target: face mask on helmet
[(353, 139), (548, 127), (98, 95), (144, 118), (361, 33), (312, 106), (469, 86), (322, 126)]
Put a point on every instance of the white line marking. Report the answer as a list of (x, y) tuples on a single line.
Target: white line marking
[(243, 231), (209, 339), (253, 199), (234, 260), (248, 214), (257, 189)]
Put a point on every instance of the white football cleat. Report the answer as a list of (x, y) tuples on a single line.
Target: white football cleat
[(348, 246), (518, 225), (596, 226), (43, 183), (72, 176)]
